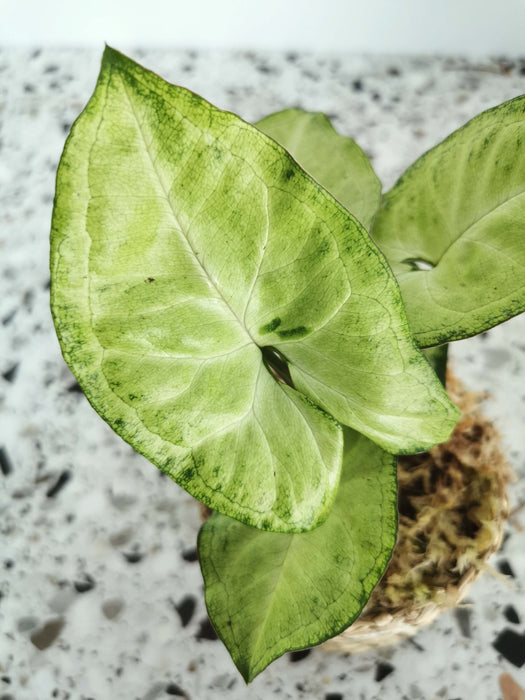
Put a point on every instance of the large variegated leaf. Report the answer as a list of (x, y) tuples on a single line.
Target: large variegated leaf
[(335, 161), (453, 229), (268, 593), (183, 242)]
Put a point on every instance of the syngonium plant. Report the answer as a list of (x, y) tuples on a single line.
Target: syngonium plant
[(242, 306)]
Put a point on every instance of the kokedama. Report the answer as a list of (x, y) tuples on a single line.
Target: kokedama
[(252, 320)]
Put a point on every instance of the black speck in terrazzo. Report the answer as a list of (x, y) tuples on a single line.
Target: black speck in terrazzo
[(462, 616), (185, 609), (512, 615), (394, 71), (190, 555), (120, 538), (383, 669), (376, 96), (174, 689), (112, 608), (7, 696), (26, 624), (415, 644), (265, 69), (59, 484), (75, 388), (66, 126), (87, 583), (314, 77), (44, 636), (28, 299), (51, 68), (9, 317), (8, 564), (333, 696), (206, 631), (299, 655), (6, 679), (29, 88), (357, 85), (6, 466), (505, 568), (506, 536), (511, 645), (133, 557), (10, 374)]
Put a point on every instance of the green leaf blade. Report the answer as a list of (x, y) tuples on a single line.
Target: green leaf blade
[(335, 161), (177, 241), (160, 347), (269, 593), (460, 209)]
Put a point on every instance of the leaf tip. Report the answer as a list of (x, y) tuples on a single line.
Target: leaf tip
[(114, 58)]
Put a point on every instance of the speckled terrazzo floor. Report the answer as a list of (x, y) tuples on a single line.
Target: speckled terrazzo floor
[(100, 591)]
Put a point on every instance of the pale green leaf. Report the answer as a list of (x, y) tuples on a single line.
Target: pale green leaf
[(268, 593), (183, 242), (335, 161), (453, 229)]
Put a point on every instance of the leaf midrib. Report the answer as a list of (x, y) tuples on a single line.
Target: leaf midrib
[(460, 238), (172, 210), (272, 596), (486, 214)]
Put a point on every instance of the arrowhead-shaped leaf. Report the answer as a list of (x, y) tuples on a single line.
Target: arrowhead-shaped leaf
[(453, 229), (183, 242), (268, 593), (335, 161)]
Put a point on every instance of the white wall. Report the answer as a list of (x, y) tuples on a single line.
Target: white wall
[(474, 27)]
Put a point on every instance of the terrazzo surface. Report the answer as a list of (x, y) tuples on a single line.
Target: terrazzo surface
[(100, 590)]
